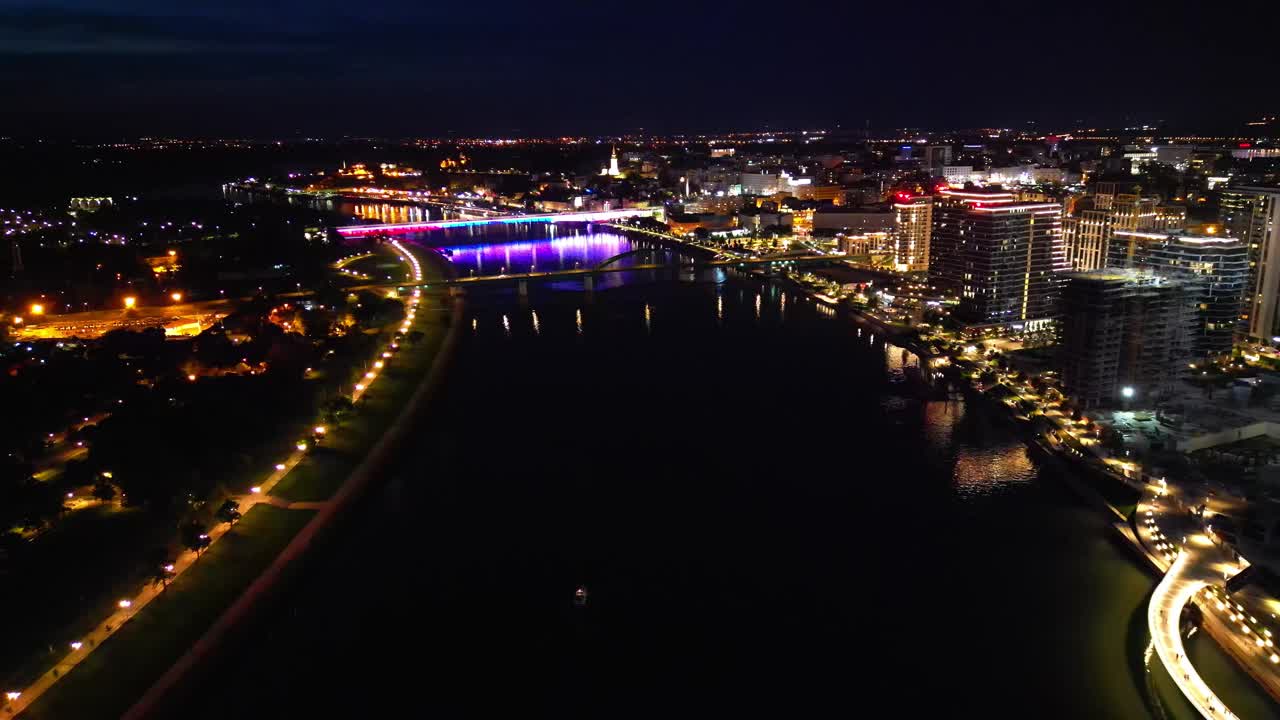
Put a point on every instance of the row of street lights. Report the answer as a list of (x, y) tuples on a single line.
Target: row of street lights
[(320, 430)]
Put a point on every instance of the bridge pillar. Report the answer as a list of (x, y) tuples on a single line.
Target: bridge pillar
[(589, 283), (522, 288)]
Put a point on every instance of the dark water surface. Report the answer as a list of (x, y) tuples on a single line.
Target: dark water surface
[(765, 518)]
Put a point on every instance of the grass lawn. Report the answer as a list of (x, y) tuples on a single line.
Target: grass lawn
[(68, 582), (115, 675), (325, 468)]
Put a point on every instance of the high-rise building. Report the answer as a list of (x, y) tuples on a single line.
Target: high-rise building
[(949, 211), (1169, 217), (1087, 230), (937, 156), (1133, 212), (1002, 257), (912, 229), (1216, 267), (1124, 336), (1086, 236), (1252, 214)]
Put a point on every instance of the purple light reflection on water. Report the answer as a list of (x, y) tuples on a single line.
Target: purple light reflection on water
[(562, 253), (577, 249), (499, 250)]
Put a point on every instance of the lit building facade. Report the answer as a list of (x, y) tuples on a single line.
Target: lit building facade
[(912, 230), (758, 183), (1124, 336), (1252, 214), (1085, 237), (1216, 267), (1003, 258), (834, 194), (1088, 229), (1133, 212), (872, 244)]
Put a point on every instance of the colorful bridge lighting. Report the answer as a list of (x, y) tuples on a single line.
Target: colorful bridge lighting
[(351, 231)]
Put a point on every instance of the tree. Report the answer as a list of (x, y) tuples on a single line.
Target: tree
[(159, 566), (229, 512), (194, 537), (337, 408), (44, 503), (104, 491)]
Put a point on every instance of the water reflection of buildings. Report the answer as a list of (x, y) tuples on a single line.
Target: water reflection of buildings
[(897, 360), (390, 213), (985, 471)]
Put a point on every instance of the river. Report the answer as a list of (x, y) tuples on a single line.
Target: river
[(766, 518)]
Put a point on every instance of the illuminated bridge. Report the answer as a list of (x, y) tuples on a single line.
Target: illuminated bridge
[(354, 231), (588, 275)]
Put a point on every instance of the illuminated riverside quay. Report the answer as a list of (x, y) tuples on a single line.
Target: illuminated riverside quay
[(667, 445)]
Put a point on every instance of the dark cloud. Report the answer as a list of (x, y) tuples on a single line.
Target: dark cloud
[(400, 66), (53, 31)]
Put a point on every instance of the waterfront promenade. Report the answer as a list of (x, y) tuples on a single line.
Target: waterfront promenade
[(20, 700)]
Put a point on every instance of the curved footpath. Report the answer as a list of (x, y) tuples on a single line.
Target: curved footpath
[(383, 454), (1193, 566)]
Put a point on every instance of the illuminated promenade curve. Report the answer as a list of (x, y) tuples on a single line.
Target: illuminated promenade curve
[(1197, 564), (351, 231)]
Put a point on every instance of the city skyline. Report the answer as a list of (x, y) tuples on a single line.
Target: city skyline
[(603, 360)]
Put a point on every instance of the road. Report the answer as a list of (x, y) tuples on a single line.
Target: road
[(1196, 568)]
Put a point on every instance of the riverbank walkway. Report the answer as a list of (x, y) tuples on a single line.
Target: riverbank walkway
[(16, 701), (1195, 568)]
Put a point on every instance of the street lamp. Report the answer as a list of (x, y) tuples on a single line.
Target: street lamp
[(129, 302), (37, 309), (1127, 392), (176, 296)]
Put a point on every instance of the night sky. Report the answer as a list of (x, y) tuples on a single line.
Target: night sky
[(397, 67)]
